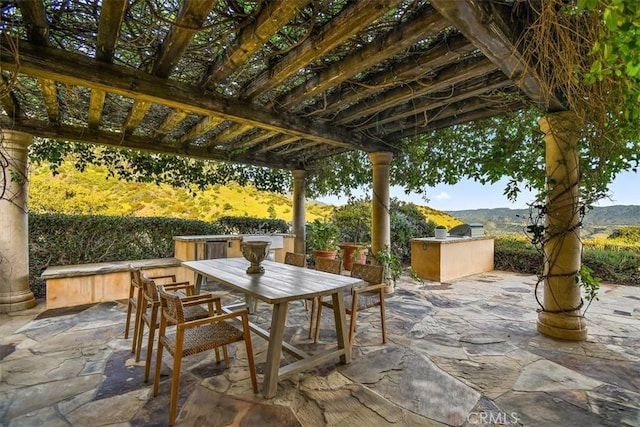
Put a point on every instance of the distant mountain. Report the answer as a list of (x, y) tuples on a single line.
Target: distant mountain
[(598, 222)]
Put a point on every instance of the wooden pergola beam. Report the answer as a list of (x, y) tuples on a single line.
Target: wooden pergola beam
[(273, 16), (111, 17), (444, 53), (33, 14), (487, 103), (353, 18), (447, 77), (425, 23), (228, 134), (190, 18), (484, 32), (272, 144), (475, 87), (454, 120), (45, 129), (172, 120), (75, 69), (200, 128)]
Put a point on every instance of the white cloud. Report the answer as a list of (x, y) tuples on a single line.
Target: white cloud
[(443, 196)]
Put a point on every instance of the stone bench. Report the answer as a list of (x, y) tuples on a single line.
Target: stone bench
[(69, 285)]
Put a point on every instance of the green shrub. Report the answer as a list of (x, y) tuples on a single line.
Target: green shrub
[(246, 225)]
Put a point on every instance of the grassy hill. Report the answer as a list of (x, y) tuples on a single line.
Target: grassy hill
[(598, 222), (93, 193)]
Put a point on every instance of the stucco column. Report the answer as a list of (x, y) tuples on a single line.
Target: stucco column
[(15, 294), (299, 189), (561, 315), (380, 220)]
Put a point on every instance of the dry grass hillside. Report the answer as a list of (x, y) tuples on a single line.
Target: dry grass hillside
[(93, 193)]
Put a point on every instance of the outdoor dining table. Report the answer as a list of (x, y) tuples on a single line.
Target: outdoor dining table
[(278, 285)]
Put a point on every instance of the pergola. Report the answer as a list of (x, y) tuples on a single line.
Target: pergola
[(282, 84)]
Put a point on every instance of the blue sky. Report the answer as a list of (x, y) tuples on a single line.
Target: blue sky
[(625, 190)]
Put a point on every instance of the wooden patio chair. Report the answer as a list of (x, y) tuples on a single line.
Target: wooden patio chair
[(136, 301), (195, 336), (362, 298), (151, 308), (330, 266)]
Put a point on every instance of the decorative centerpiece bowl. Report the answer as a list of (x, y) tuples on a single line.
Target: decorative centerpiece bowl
[(255, 252)]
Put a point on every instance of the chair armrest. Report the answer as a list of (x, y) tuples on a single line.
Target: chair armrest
[(190, 288), (166, 276), (369, 288), (242, 314), (198, 299)]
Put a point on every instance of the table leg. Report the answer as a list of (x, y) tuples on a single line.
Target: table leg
[(199, 280), (340, 318), (274, 350)]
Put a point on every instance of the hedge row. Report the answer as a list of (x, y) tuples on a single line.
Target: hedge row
[(56, 239), (622, 267)]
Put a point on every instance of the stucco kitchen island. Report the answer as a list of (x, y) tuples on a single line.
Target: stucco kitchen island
[(441, 260)]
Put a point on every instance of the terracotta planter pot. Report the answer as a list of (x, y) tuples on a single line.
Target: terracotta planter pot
[(325, 254), (349, 250)]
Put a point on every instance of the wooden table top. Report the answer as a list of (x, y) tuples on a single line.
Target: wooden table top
[(279, 282)]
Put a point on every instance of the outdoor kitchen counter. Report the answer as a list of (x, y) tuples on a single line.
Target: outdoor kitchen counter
[(442, 260), (198, 247)]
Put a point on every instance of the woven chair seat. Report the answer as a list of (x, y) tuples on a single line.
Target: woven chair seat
[(190, 313), (204, 338), (365, 300)]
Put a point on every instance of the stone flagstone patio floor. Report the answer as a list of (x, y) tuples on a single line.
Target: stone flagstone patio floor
[(460, 354)]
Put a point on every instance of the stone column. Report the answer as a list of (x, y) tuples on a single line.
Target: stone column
[(299, 189), (561, 315), (15, 294), (380, 220)]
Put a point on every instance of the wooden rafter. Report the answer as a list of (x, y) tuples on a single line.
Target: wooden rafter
[(108, 30), (274, 15), (172, 120), (254, 138), (75, 69), (426, 23), (303, 145), (352, 19), (444, 53), (192, 14), (228, 134), (454, 120), (470, 89), (200, 128), (44, 129), (190, 19), (34, 16), (445, 78), (480, 29), (487, 103), (272, 144)]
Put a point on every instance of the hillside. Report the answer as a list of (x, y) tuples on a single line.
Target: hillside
[(598, 222), (92, 192)]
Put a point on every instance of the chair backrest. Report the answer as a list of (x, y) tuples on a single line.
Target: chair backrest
[(372, 274), (149, 287), (292, 258), (328, 265), (171, 304), (135, 276)]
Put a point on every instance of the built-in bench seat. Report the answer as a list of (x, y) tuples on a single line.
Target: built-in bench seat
[(69, 285)]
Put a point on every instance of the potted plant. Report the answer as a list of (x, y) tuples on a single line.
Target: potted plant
[(441, 232), (323, 239), (353, 221), (352, 252)]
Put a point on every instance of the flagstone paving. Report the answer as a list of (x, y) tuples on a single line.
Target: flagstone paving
[(463, 353)]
